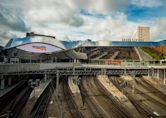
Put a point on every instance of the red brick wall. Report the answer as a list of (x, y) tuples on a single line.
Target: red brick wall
[(161, 49)]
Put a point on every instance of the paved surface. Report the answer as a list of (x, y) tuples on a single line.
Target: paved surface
[(138, 53), (4, 91), (145, 56)]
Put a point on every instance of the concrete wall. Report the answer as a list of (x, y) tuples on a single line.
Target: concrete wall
[(18, 67)]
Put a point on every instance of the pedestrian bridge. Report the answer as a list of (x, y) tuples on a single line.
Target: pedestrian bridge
[(78, 68)]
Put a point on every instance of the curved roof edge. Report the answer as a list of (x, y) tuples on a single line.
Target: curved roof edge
[(35, 38)]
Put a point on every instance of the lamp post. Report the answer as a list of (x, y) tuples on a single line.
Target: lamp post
[(30, 57), (133, 85)]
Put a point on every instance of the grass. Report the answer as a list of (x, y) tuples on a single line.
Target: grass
[(156, 55)]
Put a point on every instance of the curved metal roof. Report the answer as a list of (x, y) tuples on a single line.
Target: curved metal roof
[(15, 42)]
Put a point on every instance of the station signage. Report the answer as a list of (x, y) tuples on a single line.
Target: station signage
[(39, 48)]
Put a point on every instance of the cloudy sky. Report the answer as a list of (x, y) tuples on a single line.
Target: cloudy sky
[(82, 19)]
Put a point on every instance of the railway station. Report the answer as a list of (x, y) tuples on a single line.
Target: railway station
[(42, 77)]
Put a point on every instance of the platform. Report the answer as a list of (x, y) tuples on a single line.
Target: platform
[(35, 94), (5, 91), (117, 95)]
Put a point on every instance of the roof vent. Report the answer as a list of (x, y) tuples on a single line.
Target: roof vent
[(30, 34)]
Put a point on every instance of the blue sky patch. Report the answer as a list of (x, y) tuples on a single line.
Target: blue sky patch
[(92, 14), (135, 13)]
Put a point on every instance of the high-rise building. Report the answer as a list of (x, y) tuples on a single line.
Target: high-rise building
[(143, 33)]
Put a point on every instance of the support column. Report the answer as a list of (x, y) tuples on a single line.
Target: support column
[(30, 58), (148, 73), (158, 74), (134, 83), (73, 70), (103, 71), (45, 77), (133, 86), (152, 73), (57, 80), (125, 73), (2, 86), (75, 60), (9, 81), (52, 59), (40, 60), (164, 77)]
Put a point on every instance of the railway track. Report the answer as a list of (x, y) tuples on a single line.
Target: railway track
[(153, 95), (106, 107), (20, 102), (6, 99), (127, 53), (40, 108), (154, 90), (122, 109), (58, 106), (110, 51), (141, 100), (123, 53), (70, 101), (140, 107), (152, 103), (89, 102), (16, 104)]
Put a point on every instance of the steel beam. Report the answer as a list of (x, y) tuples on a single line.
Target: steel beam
[(2, 85), (57, 81)]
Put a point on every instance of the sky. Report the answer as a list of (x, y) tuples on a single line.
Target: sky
[(82, 19)]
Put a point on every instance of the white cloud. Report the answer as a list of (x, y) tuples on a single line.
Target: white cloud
[(62, 18), (12, 19), (110, 28), (4, 37), (106, 6), (147, 3), (158, 31), (37, 12)]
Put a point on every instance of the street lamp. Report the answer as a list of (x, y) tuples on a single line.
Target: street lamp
[(133, 85)]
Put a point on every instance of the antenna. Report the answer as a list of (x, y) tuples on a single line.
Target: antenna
[(31, 34)]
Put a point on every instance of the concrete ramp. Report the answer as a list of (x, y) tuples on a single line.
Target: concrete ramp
[(139, 55), (75, 91)]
